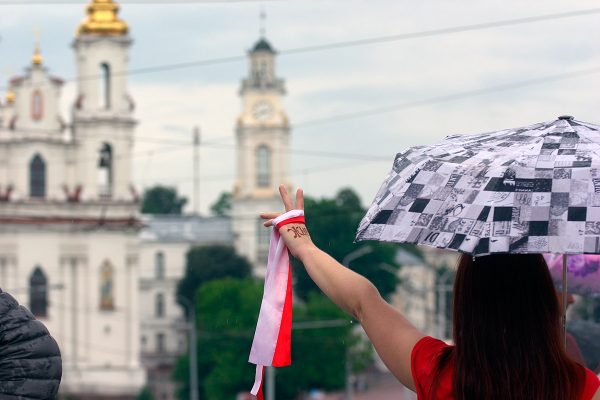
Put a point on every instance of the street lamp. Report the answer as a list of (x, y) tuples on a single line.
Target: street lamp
[(353, 255), (192, 347), (442, 288)]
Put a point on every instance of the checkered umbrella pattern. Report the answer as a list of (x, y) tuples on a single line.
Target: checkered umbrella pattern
[(534, 189)]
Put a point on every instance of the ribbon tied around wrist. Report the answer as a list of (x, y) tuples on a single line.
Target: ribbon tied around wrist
[(273, 336)]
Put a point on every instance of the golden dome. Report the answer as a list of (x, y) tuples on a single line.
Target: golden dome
[(10, 96), (102, 20), (37, 58)]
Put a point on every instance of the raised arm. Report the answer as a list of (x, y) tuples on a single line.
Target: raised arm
[(390, 332)]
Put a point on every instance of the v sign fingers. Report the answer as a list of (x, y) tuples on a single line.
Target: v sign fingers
[(287, 202), (299, 199)]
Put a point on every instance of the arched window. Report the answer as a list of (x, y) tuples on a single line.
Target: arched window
[(38, 293), (105, 170), (263, 236), (159, 265), (37, 105), (263, 166), (255, 72), (37, 177), (159, 305), (104, 86), (160, 342), (107, 287)]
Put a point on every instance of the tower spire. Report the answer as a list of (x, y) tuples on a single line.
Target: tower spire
[(37, 58), (263, 21)]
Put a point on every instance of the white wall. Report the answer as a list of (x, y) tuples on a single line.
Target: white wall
[(100, 348)]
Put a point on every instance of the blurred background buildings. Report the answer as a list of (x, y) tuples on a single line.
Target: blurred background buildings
[(73, 246)]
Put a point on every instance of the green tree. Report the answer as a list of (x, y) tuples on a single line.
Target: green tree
[(145, 394), (333, 224), (319, 354), (226, 312), (222, 207), (205, 263), (162, 200), (588, 309)]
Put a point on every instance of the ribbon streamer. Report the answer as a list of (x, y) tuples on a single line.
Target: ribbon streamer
[(273, 336)]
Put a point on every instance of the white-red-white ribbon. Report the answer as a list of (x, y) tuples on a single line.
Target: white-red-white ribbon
[(272, 339)]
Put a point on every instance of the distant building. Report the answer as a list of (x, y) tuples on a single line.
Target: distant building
[(263, 138), (165, 241), (68, 214), (424, 292)]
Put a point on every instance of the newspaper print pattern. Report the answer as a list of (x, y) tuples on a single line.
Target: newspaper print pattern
[(534, 189)]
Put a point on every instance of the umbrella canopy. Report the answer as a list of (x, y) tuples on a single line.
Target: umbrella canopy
[(583, 273), (534, 189)]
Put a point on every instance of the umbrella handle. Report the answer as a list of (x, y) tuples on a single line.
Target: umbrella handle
[(564, 299)]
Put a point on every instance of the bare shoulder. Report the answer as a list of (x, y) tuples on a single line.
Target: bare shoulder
[(597, 395)]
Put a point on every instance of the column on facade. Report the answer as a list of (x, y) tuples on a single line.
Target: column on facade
[(133, 321)]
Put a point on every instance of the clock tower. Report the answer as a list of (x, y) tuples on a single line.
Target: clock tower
[(262, 135)]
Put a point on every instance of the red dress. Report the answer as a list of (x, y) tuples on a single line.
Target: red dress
[(424, 359)]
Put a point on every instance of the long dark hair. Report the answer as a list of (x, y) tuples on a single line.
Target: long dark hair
[(507, 333)]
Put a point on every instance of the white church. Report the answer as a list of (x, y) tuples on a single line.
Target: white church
[(73, 247)]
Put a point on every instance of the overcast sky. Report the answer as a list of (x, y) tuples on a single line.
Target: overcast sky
[(328, 83)]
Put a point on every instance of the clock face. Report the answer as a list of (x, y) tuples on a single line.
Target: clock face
[(262, 110)]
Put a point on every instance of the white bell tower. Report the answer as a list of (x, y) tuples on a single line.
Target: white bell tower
[(263, 135), (103, 111)]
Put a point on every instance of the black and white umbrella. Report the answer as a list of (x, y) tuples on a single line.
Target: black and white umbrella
[(528, 190), (534, 189)]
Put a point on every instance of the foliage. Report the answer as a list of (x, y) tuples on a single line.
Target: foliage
[(226, 311), (145, 394), (332, 224), (588, 309), (222, 207), (319, 355), (162, 200), (205, 263)]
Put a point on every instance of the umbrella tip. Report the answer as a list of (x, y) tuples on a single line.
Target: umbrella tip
[(566, 117)]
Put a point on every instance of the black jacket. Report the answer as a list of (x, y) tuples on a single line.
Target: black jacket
[(30, 363)]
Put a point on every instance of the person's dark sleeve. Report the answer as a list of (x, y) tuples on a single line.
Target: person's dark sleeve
[(30, 362)]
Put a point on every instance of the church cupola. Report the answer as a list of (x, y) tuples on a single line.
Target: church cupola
[(102, 19), (262, 65), (37, 59), (10, 97), (263, 45)]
